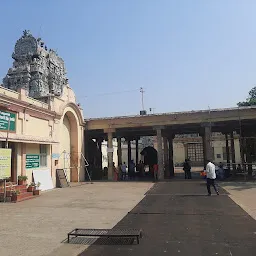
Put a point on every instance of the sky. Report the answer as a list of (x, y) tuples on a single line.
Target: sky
[(187, 55)]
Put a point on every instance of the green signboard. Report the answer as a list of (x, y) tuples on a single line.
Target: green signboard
[(32, 161), (5, 123)]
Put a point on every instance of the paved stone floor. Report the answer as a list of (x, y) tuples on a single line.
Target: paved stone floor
[(244, 194), (37, 227), (178, 219)]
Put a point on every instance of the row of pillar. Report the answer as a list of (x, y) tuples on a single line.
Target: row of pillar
[(165, 150), (232, 149), (165, 153), (110, 152)]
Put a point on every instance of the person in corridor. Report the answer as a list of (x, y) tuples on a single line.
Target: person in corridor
[(211, 176), (123, 168), (155, 170), (115, 170), (187, 169)]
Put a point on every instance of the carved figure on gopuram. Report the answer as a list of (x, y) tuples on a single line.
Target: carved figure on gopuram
[(41, 72)]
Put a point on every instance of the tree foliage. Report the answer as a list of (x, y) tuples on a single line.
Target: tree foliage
[(251, 100)]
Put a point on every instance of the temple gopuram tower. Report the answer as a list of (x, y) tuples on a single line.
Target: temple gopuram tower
[(41, 72)]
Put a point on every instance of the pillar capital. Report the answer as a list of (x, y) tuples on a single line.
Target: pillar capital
[(170, 136), (158, 127), (128, 138), (205, 127), (227, 131), (109, 130), (207, 124)]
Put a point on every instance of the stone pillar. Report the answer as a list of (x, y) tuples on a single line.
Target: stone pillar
[(86, 145), (249, 153), (99, 144), (227, 151), (171, 165), (185, 145), (160, 153), (137, 151), (23, 159), (166, 157), (249, 150), (242, 152), (207, 144), (110, 151), (233, 155), (119, 150), (129, 153)]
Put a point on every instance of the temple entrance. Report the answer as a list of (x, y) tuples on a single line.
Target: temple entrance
[(69, 147), (66, 147), (150, 158)]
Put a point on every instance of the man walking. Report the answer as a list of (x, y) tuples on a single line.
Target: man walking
[(211, 176)]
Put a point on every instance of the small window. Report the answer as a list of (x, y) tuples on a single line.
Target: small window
[(218, 155), (43, 155)]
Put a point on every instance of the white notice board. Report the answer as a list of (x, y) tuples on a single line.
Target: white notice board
[(44, 177)]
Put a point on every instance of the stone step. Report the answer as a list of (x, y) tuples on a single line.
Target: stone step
[(21, 197), (26, 198), (14, 187), (23, 191)]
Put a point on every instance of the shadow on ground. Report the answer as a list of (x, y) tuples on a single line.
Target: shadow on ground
[(177, 224), (239, 186), (102, 241)]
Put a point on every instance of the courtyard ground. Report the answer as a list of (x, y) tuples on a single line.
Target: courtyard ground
[(176, 217), (37, 227), (244, 194)]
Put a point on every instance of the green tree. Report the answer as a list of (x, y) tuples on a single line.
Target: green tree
[(251, 100)]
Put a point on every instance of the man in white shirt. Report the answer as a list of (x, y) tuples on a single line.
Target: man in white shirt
[(211, 176)]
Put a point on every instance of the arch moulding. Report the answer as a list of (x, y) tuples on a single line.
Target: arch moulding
[(65, 108)]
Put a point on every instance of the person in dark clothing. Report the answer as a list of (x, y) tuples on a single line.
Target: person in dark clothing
[(187, 169), (131, 172), (139, 168)]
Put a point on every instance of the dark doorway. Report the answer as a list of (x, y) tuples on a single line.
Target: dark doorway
[(93, 157), (13, 145), (150, 158), (150, 155)]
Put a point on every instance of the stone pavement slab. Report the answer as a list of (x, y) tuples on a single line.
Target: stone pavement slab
[(182, 187), (37, 227), (185, 225), (244, 194)]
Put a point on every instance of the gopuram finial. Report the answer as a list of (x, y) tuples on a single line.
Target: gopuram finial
[(26, 33)]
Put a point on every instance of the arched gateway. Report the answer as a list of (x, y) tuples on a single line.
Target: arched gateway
[(71, 148)]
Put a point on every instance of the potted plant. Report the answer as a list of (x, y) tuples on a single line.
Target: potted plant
[(31, 187), (36, 189), (22, 180), (10, 192), (15, 195)]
